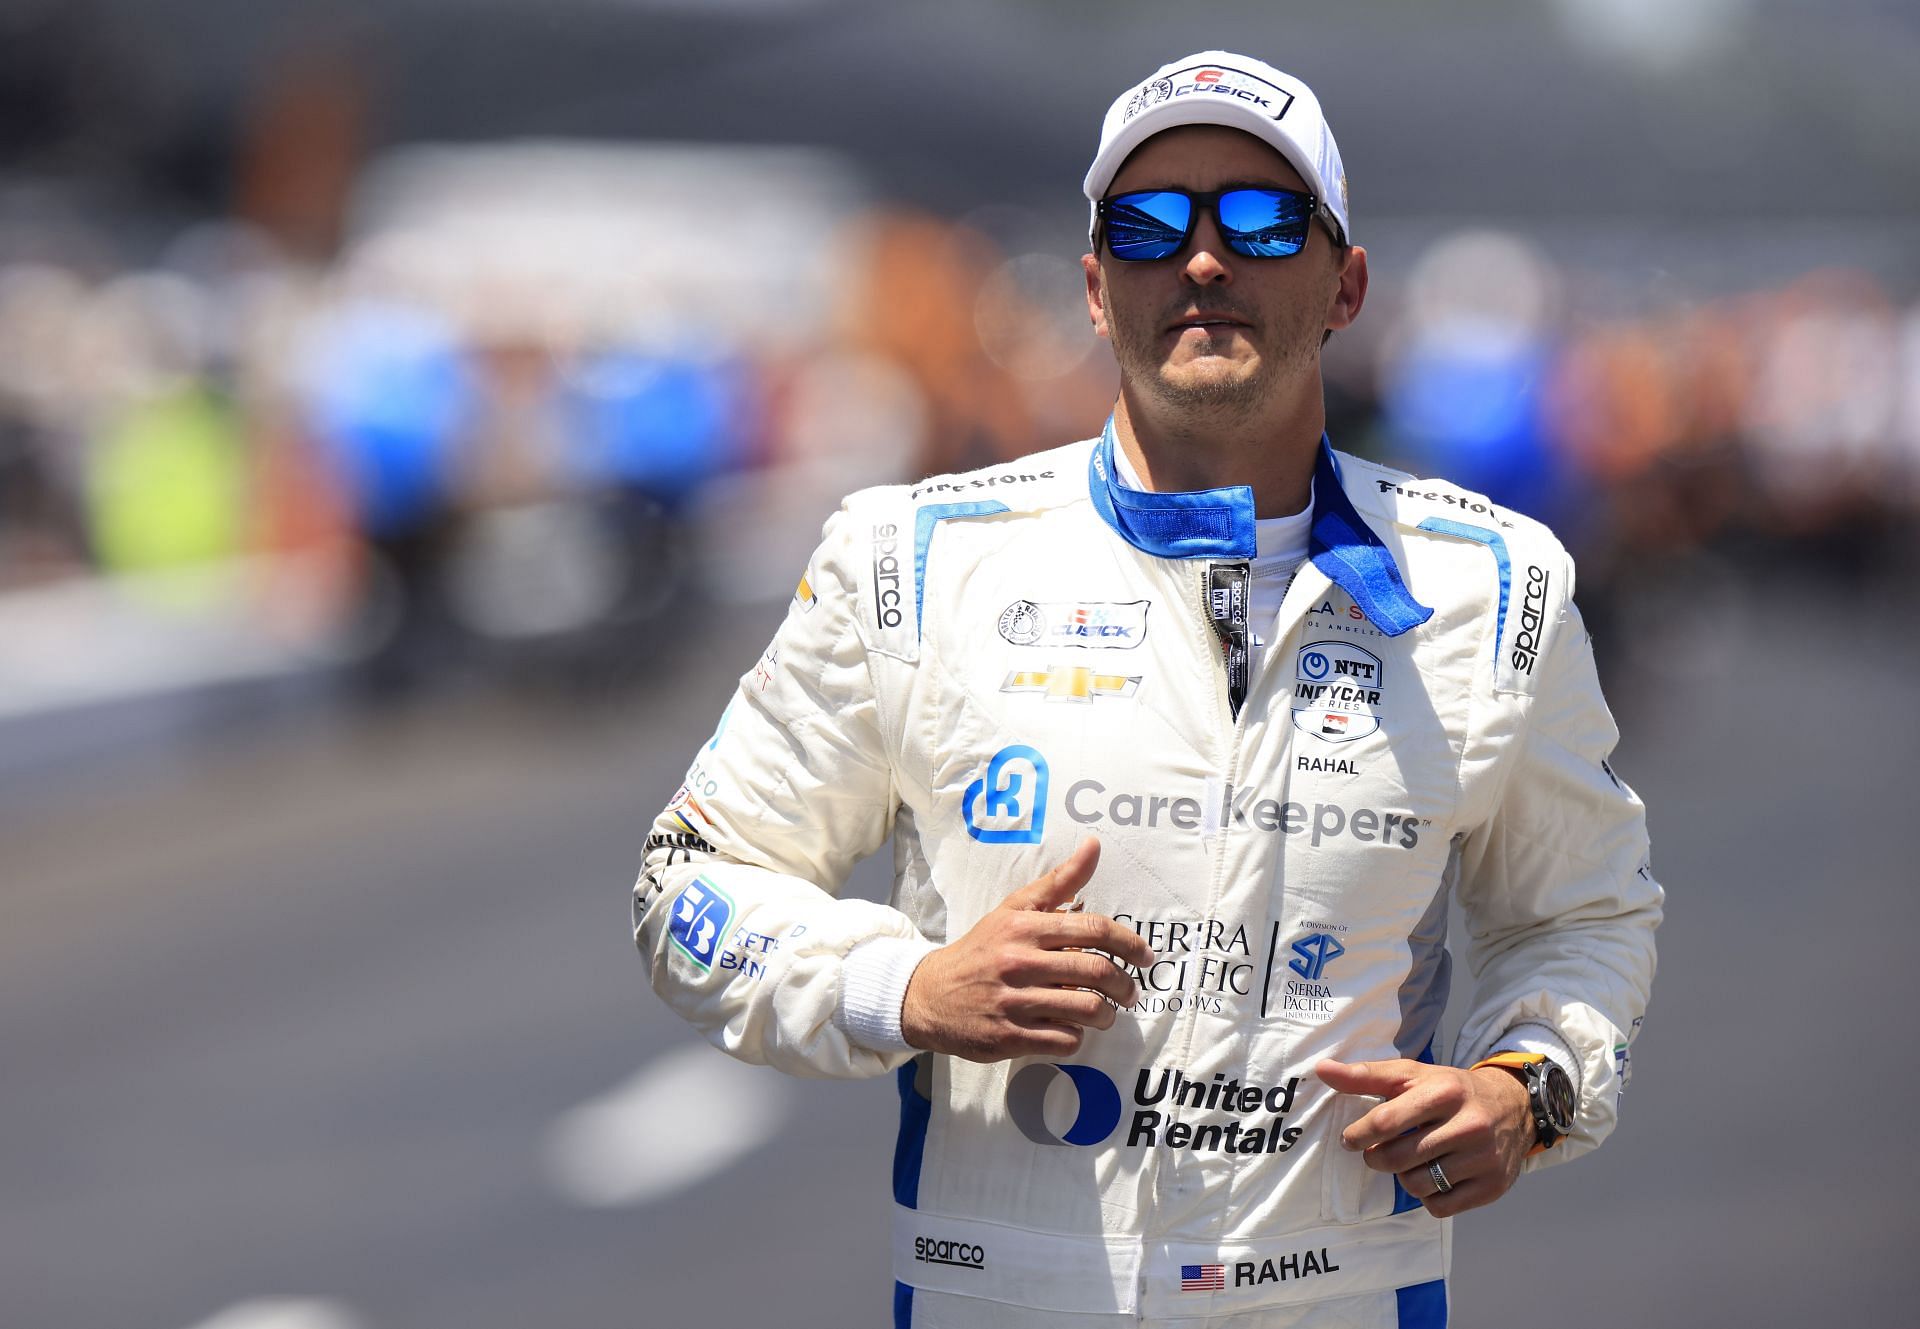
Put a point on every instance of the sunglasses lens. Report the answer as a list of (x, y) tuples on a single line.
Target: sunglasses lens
[(1265, 223), (1149, 225)]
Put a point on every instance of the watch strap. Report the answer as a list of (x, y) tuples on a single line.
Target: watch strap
[(1524, 1065)]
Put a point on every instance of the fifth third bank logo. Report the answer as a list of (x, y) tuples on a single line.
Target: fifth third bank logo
[(1008, 805), (702, 915)]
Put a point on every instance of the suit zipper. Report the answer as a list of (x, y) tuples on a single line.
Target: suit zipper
[(1228, 586)]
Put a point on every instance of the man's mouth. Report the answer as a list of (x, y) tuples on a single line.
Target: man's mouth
[(1203, 319)]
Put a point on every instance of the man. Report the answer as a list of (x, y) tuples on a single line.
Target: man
[(1183, 736)]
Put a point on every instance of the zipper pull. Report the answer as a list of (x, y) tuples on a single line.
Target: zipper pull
[(1227, 588)]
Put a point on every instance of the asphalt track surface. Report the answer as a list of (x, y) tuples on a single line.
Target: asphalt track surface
[(291, 1008)]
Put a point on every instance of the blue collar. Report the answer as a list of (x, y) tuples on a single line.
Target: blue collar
[(1219, 523)]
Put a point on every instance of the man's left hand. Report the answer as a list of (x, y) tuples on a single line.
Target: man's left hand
[(1476, 1124)]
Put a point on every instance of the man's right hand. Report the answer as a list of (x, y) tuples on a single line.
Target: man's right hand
[(1028, 979)]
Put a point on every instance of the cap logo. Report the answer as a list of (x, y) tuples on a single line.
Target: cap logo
[(1195, 80), (1151, 93)]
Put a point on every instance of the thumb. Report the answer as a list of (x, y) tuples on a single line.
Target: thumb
[(1061, 883), (1382, 1079)]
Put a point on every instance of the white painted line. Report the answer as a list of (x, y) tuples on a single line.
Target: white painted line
[(284, 1313), (686, 1116)]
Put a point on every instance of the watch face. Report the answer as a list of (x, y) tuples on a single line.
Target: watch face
[(1556, 1097)]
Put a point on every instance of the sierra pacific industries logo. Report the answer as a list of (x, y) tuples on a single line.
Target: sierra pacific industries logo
[(1008, 805), (1314, 951)]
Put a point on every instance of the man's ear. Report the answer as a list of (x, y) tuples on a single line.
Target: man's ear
[(1096, 296), (1351, 293)]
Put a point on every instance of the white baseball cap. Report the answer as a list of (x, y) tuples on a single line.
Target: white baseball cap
[(1221, 88)]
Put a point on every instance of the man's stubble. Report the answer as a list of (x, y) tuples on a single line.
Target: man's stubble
[(1227, 395)]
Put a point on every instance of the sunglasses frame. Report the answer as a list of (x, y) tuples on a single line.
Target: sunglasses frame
[(1209, 200)]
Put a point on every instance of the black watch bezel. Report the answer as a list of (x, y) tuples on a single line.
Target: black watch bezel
[(1550, 1094)]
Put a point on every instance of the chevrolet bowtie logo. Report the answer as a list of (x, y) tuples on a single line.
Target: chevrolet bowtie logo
[(1076, 684)]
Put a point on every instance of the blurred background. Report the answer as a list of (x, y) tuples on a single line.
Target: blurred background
[(414, 415)]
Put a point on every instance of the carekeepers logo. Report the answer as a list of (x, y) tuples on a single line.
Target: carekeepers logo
[(1008, 803), (1337, 689), (700, 920), (1240, 808), (1053, 1103)]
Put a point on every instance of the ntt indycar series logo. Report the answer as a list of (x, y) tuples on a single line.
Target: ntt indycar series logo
[(1056, 1104), (1337, 689)]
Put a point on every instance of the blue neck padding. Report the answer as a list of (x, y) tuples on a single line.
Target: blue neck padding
[(1346, 549), (1201, 523), (1219, 523)]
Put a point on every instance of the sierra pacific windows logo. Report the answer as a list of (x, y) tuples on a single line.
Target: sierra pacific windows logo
[(1008, 805), (1097, 1097)]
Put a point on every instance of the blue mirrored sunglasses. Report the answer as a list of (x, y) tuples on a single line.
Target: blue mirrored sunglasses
[(1255, 223)]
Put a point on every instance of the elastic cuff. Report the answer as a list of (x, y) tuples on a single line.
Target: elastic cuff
[(1544, 1041), (873, 984)]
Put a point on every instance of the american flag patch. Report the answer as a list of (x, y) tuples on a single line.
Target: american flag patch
[(1203, 1277)]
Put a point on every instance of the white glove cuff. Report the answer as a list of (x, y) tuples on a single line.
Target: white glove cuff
[(873, 984), (1543, 1041)]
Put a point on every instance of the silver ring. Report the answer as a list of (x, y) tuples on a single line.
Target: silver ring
[(1439, 1178)]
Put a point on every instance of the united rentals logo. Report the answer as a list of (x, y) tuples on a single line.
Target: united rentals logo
[(1336, 691), (1255, 1115), (1001, 807), (1074, 683)]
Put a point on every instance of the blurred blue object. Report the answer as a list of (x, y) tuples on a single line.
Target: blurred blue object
[(1468, 409), (658, 424), (390, 396)]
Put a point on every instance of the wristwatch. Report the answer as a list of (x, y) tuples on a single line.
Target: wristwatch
[(1549, 1093)]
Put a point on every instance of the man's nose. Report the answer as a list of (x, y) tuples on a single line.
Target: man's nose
[(1207, 254)]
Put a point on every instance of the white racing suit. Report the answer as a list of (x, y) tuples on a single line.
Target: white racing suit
[(988, 667)]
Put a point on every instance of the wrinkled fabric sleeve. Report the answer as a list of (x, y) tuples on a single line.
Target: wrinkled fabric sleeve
[(735, 909), (1560, 898)]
